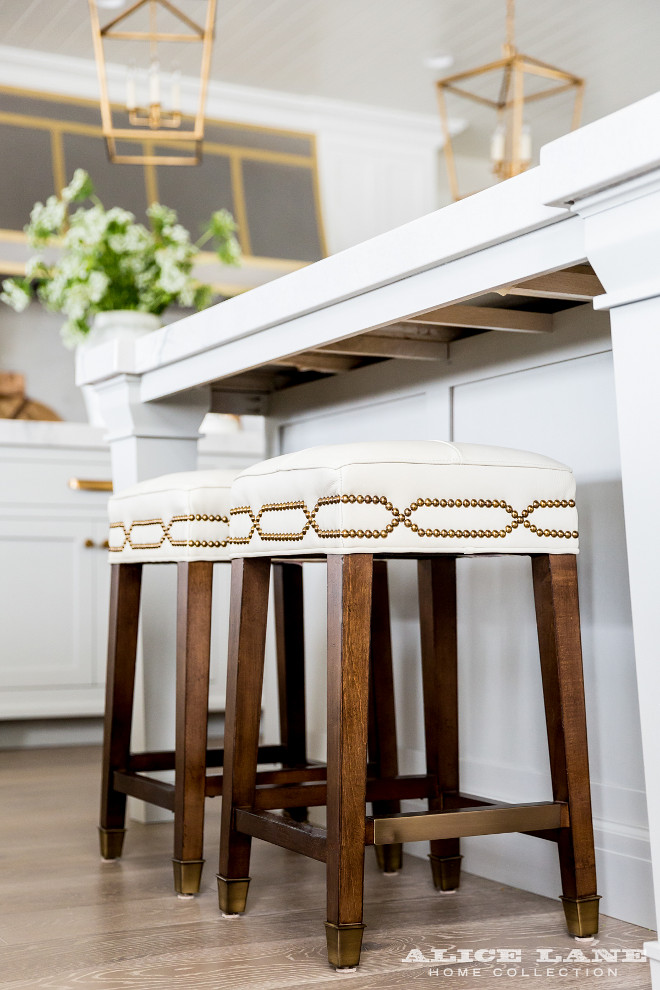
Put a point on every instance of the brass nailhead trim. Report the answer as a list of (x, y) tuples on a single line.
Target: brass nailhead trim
[(398, 516), (166, 533)]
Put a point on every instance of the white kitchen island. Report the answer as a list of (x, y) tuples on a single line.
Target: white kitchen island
[(528, 253)]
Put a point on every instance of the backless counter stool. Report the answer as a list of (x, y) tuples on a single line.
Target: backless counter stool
[(184, 519), (434, 502)]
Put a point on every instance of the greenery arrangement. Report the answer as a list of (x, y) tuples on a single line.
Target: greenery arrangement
[(108, 261)]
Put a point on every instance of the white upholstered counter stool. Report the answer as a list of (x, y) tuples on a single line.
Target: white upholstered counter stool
[(434, 502), (183, 519)]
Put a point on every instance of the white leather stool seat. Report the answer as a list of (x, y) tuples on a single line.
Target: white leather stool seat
[(404, 497), (175, 517)]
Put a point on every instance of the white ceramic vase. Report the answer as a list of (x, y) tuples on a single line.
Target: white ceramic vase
[(115, 324)]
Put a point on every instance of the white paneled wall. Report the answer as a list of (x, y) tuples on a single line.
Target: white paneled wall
[(555, 396), (566, 410), (369, 185)]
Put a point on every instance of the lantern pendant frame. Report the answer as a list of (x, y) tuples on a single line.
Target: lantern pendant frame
[(152, 124)]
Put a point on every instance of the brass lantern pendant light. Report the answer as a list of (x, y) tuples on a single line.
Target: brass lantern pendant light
[(511, 141), (150, 129)]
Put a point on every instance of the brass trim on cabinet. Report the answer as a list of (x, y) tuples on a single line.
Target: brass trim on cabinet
[(89, 485)]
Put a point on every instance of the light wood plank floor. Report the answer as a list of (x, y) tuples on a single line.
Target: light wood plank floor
[(69, 921)]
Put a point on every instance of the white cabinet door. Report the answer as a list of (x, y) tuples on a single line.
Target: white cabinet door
[(53, 595)]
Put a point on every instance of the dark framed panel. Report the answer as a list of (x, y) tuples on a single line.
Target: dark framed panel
[(266, 177), (114, 186), (280, 210), (27, 175), (197, 192)]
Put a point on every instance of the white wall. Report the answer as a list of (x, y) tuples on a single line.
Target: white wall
[(30, 343), (554, 395)]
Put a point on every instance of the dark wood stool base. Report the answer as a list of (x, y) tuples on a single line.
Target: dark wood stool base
[(352, 583), (125, 773), (446, 871), (232, 894), (344, 944)]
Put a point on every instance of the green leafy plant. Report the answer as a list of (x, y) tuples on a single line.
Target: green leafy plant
[(108, 261)]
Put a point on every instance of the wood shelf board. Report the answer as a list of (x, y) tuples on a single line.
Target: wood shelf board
[(487, 318), (526, 307)]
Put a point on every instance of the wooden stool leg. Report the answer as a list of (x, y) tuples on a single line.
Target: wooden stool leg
[(349, 606), (250, 578), (290, 640), (437, 610), (193, 651), (125, 584), (383, 756), (558, 623)]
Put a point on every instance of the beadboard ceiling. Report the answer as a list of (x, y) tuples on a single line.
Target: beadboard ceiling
[(373, 51)]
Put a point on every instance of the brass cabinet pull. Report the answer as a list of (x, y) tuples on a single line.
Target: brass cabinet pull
[(90, 545), (89, 485)]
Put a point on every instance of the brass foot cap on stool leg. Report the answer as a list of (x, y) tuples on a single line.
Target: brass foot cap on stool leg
[(111, 841), (389, 858), (344, 944), (232, 894), (446, 871), (581, 915), (187, 875)]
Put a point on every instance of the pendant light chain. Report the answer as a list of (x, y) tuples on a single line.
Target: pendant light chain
[(510, 44)]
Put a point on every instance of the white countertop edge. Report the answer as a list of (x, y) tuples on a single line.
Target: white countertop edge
[(599, 156), (609, 151), (34, 433), (497, 214)]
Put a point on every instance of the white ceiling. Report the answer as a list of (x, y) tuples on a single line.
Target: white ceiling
[(373, 51)]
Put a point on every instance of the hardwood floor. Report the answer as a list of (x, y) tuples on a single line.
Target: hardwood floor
[(70, 921)]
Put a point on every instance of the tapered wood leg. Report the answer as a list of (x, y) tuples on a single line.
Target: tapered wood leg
[(250, 579), (290, 640), (437, 614), (349, 606), (193, 651), (383, 756), (125, 584), (558, 623)]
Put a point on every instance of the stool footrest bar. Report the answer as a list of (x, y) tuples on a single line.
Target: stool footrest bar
[(297, 836), (157, 792), (280, 778), (452, 801), (490, 820), (165, 759), (309, 794)]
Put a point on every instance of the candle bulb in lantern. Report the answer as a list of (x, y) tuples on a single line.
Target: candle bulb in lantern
[(131, 99), (176, 91), (154, 83), (498, 145), (526, 144)]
